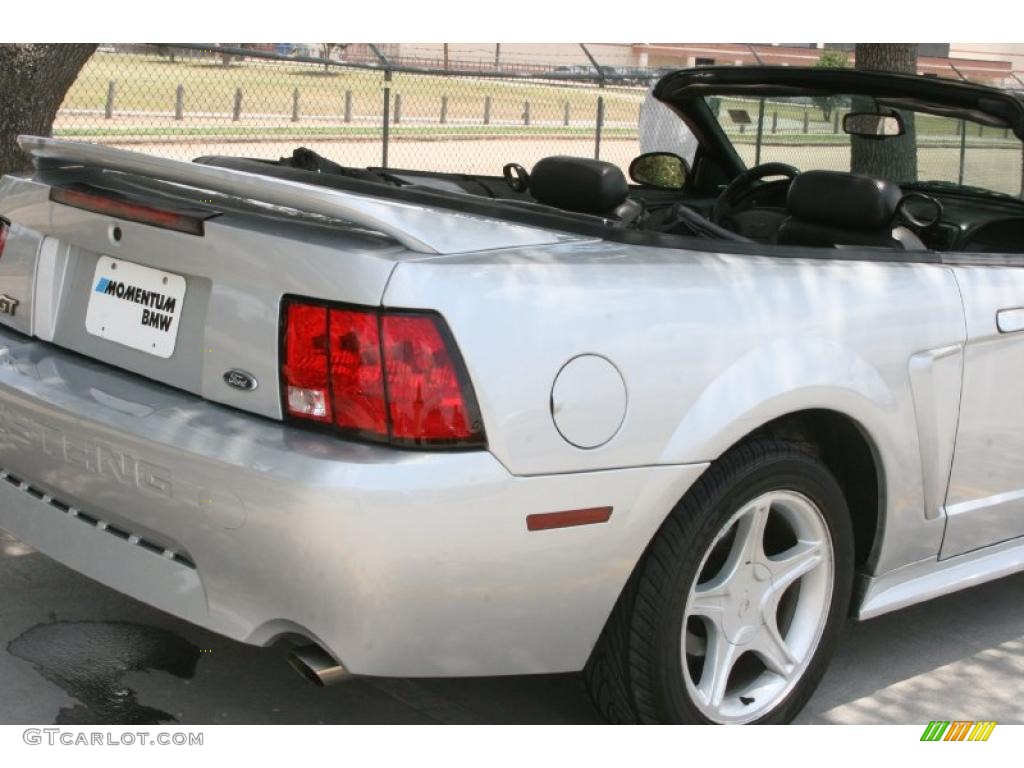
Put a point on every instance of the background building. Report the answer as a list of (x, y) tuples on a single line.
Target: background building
[(988, 62)]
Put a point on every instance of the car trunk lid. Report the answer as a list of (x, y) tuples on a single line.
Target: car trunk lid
[(203, 304)]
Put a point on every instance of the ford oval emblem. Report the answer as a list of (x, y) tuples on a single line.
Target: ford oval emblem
[(238, 379)]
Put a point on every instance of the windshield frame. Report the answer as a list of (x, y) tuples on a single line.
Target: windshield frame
[(684, 91)]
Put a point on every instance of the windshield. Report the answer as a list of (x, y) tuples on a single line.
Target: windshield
[(807, 132)]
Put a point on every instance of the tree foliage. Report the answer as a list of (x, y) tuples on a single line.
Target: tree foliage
[(833, 59), (829, 59)]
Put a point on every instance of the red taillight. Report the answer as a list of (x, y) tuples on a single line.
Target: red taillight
[(114, 204), (4, 226), (425, 396), (356, 373), (307, 387), (387, 376)]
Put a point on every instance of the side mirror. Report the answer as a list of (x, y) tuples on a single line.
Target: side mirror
[(871, 125), (661, 170)]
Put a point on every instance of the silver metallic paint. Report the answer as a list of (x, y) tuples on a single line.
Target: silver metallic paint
[(985, 502), (711, 346), (418, 229), (406, 563), (931, 578), (396, 562), (588, 401)]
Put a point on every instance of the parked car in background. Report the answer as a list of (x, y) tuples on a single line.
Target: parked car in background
[(573, 69)]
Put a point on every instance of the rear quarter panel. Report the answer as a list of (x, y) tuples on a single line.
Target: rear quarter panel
[(710, 347)]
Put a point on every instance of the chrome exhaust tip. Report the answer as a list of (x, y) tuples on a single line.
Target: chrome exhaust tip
[(317, 666)]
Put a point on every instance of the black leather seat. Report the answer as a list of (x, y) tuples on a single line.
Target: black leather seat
[(829, 209), (584, 186)]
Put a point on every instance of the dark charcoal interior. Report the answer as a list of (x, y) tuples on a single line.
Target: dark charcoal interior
[(820, 209)]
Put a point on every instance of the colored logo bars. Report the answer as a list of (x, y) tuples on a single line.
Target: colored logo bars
[(958, 730)]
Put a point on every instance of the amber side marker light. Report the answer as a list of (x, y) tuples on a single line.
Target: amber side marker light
[(547, 520), (110, 203)]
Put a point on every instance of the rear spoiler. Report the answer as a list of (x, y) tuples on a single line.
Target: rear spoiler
[(420, 229)]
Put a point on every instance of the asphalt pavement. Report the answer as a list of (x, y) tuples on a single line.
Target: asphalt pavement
[(75, 652)]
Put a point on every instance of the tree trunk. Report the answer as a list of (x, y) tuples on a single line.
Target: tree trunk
[(35, 78), (890, 159)]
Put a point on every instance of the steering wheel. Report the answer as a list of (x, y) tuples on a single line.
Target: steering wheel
[(744, 184), (516, 177)]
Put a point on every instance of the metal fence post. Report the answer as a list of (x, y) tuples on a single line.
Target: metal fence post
[(760, 132), (835, 121), (108, 111), (807, 120), (600, 101), (385, 122), (963, 149), (498, 93), (386, 128)]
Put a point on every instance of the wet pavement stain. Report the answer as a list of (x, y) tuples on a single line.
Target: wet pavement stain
[(88, 660)]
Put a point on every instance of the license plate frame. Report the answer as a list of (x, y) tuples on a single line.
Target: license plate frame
[(135, 306)]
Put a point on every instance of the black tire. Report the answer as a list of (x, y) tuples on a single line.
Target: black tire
[(635, 673)]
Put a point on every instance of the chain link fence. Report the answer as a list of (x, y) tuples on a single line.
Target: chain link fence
[(185, 101), (469, 116)]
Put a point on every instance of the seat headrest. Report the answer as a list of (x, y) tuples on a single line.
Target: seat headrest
[(843, 200), (578, 184)]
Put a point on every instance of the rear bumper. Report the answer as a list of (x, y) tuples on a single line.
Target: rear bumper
[(398, 563)]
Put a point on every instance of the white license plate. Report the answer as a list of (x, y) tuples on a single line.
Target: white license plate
[(136, 306)]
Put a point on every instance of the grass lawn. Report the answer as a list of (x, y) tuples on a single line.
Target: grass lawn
[(341, 131), (148, 83), (146, 86), (788, 116)]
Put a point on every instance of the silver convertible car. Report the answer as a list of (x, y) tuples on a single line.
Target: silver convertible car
[(671, 433)]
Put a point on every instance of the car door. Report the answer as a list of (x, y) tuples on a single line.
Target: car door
[(985, 499)]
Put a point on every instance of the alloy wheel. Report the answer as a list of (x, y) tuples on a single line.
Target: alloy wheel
[(757, 609)]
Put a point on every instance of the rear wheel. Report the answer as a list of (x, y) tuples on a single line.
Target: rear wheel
[(733, 613)]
